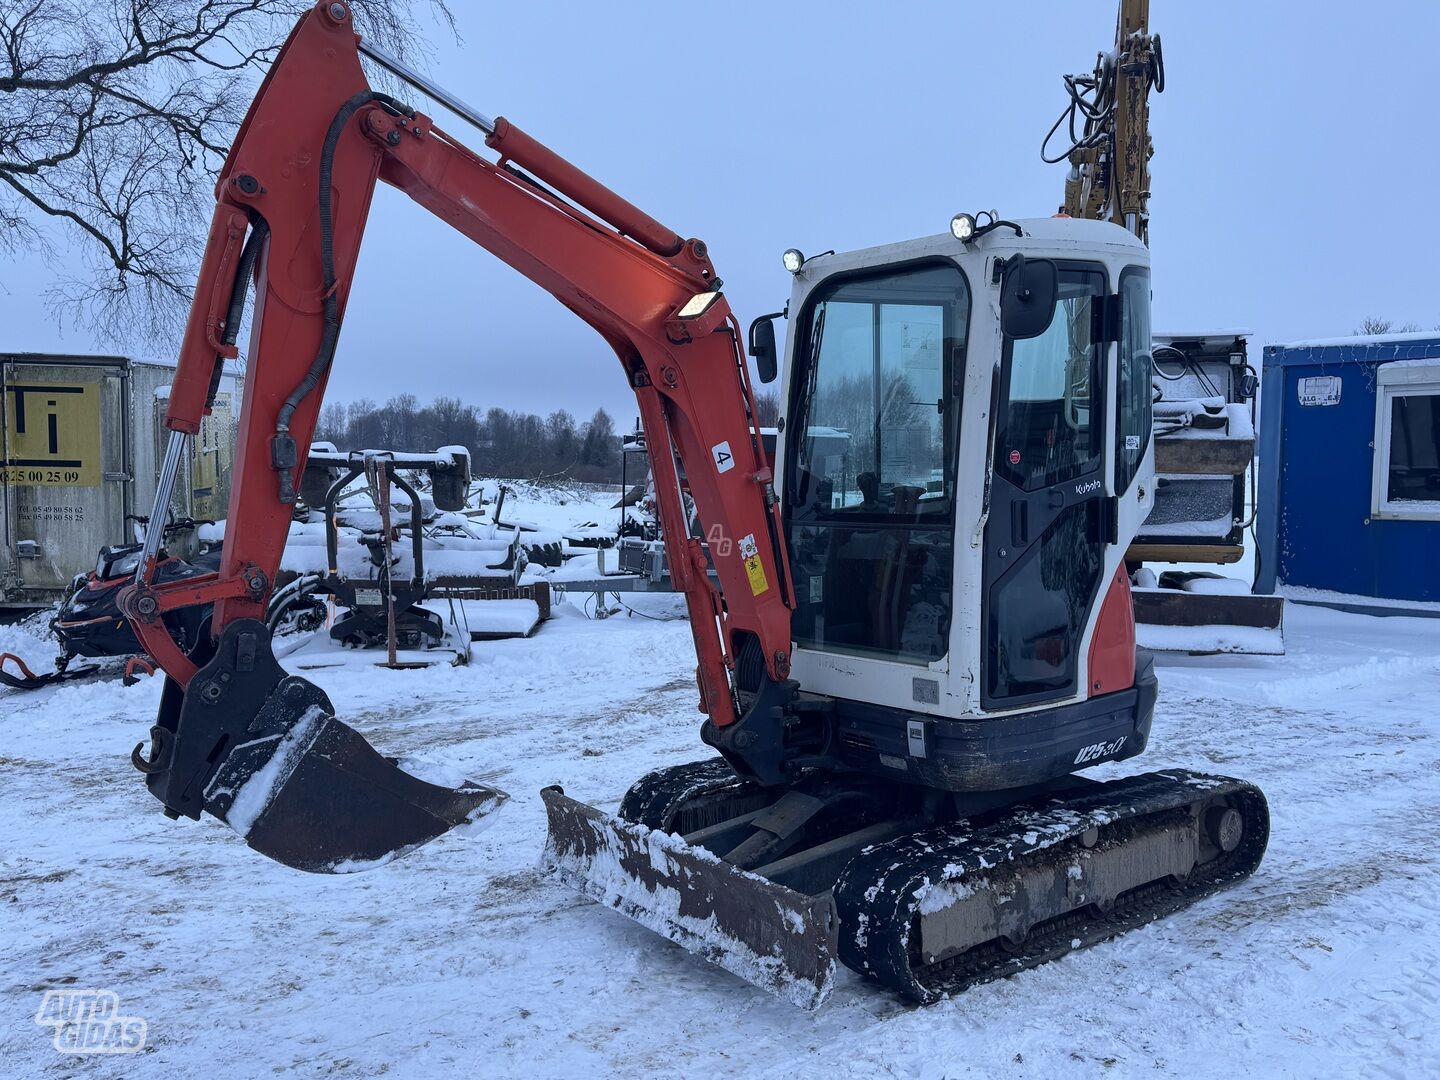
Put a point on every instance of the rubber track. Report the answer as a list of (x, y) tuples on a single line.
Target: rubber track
[(653, 800), (879, 892)]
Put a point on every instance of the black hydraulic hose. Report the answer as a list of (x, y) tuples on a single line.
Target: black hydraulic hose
[(1089, 96), (259, 233), (283, 454)]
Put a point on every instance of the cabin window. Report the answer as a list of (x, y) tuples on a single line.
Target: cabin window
[(1406, 478), (870, 462), (1133, 394)]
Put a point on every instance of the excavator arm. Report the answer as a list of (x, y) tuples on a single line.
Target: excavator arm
[(1108, 124), (236, 735)]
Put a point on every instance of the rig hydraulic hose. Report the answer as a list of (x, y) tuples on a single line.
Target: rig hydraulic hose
[(283, 456), (259, 233)]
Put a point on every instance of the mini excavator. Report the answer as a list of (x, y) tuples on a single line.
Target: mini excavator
[(918, 631)]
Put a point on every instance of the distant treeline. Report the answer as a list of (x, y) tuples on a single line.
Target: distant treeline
[(501, 442)]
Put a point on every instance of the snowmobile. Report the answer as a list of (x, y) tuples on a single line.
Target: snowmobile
[(919, 627), (90, 623)]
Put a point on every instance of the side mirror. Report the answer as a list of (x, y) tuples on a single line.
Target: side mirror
[(762, 348), (1027, 296)]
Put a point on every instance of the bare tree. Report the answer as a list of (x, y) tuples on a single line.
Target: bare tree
[(767, 408), (501, 442), (1374, 326), (115, 116)]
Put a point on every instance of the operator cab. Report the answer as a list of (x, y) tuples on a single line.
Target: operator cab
[(958, 500)]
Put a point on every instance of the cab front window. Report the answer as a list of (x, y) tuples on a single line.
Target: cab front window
[(871, 476)]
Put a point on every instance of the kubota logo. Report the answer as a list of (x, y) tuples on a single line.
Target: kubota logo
[(1085, 489), (89, 1022)]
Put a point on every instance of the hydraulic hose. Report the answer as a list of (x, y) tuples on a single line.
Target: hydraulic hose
[(283, 456), (259, 233)]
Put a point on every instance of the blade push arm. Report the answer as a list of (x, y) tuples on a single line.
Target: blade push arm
[(304, 169)]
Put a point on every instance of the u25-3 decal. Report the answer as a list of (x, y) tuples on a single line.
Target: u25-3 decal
[(1096, 751)]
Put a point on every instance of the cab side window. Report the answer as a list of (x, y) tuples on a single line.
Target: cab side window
[(1132, 427), (1050, 431)]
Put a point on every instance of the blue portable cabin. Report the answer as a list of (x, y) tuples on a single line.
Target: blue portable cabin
[(1349, 496)]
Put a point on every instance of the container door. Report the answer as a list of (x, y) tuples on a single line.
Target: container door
[(63, 471)]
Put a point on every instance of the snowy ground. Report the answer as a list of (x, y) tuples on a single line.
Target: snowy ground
[(463, 960)]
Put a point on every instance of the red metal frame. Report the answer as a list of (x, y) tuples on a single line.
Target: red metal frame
[(689, 375)]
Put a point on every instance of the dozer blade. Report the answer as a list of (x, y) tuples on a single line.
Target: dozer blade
[(1178, 620), (771, 936), (299, 785)]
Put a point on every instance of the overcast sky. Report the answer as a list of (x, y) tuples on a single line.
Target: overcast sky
[(1295, 175)]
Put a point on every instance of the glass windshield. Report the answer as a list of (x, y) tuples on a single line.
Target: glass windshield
[(874, 402), (870, 476)]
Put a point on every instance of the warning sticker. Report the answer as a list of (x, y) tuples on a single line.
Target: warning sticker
[(753, 569), (724, 460), (53, 434), (756, 573)]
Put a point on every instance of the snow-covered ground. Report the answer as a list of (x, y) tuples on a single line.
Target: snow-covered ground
[(463, 960)]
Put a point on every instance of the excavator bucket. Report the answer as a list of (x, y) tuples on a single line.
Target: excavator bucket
[(771, 936), (299, 785)]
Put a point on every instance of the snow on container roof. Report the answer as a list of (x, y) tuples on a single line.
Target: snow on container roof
[(232, 368), (1367, 349)]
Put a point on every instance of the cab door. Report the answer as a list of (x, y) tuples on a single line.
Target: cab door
[(1050, 515), (870, 463)]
